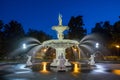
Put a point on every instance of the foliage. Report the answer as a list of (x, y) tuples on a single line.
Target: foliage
[(40, 35), (111, 34), (12, 32), (1, 38), (116, 33), (76, 30)]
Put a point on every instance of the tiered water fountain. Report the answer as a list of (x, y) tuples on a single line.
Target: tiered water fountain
[(60, 45), (60, 63)]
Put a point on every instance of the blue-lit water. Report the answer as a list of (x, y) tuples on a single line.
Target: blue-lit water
[(101, 71)]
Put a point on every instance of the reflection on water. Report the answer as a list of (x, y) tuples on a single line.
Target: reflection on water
[(21, 68), (76, 68), (80, 72), (99, 68), (16, 79), (44, 67), (117, 72)]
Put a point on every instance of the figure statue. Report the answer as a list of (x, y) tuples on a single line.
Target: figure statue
[(92, 61), (60, 19), (29, 63), (61, 62)]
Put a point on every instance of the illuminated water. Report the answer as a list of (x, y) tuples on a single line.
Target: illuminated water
[(117, 72), (44, 67), (100, 72), (76, 68)]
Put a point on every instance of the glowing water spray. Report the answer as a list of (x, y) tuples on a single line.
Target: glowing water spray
[(76, 68), (44, 68)]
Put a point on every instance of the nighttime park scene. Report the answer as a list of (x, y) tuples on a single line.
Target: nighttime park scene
[(59, 40)]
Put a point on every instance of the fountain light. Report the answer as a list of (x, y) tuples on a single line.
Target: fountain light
[(74, 48), (24, 46), (97, 45), (44, 69), (44, 66), (117, 46), (45, 50), (117, 72)]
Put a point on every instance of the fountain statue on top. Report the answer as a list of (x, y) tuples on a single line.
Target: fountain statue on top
[(60, 20), (60, 29)]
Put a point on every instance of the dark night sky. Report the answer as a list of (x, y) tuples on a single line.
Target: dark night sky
[(43, 14)]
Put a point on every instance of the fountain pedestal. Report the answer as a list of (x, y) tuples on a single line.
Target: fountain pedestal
[(60, 62)]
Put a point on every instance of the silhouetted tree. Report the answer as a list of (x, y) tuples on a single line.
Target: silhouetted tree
[(76, 30), (1, 25), (116, 37), (108, 28), (1, 38), (110, 33), (98, 28), (40, 35), (104, 29), (13, 32), (116, 32)]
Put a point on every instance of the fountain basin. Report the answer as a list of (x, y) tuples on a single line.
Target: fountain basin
[(60, 43)]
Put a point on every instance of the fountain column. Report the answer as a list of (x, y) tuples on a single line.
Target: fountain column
[(60, 61), (60, 53)]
